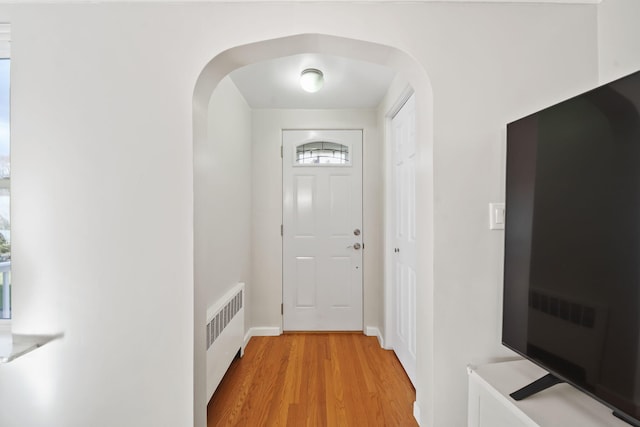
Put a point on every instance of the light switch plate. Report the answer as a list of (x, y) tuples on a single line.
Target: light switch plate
[(496, 216)]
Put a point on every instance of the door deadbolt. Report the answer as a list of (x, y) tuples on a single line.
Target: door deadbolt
[(356, 232)]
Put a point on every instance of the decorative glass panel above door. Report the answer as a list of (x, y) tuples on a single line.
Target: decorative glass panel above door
[(322, 153)]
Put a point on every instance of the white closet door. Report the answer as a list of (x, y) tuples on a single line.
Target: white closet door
[(403, 334)]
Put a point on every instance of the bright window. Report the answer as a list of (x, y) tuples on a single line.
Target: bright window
[(322, 153), (5, 178)]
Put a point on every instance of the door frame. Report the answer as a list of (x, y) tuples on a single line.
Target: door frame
[(389, 212)]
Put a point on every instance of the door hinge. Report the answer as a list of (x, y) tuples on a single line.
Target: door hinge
[(281, 151), (281, 230), (282, 309)]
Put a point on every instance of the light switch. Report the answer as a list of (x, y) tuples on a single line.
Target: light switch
[(496, 216)]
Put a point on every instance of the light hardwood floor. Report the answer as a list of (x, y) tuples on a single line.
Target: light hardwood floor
[(314, 380)]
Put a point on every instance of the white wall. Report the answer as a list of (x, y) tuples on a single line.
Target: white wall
[(541, 54), (618, 38), (267, 203), (222, 213), (222, 194), (103, 204)]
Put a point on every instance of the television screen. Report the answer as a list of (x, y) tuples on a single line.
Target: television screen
[(572, 242)]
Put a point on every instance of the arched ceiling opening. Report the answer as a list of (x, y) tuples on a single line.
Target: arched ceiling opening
[(394, 61)]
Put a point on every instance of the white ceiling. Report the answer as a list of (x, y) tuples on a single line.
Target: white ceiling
[(348, 83)]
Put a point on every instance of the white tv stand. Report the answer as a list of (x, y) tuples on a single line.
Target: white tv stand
[(559, 406)]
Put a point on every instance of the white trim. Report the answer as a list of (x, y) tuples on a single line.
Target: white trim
[(5, 40), (397, 106), (247, 337), (5, 32), (373, 331), (416, 411), (261, 331)]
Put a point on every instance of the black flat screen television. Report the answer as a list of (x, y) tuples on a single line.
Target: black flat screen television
[(572, 243)]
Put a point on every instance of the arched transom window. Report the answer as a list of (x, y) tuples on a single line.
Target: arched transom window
[(322, 153)]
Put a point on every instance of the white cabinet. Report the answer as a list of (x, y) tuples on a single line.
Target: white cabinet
[(559, 406)]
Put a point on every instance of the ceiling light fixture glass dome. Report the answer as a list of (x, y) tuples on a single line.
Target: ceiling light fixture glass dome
[(311, 80)]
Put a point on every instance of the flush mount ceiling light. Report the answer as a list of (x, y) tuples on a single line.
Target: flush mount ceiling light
[(311, 80)]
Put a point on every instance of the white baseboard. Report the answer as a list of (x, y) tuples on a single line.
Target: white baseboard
[(372, 331), (416, 411), (274, 331), (261, 331)]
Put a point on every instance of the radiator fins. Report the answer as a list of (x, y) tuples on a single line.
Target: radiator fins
[(222, 318)]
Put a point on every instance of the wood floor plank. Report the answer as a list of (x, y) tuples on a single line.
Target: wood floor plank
[(315, 380), (336, 410)]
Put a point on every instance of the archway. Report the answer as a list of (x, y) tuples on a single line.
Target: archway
[(236, 57)]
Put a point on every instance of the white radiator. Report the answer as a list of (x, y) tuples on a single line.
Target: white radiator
[(225, 335)]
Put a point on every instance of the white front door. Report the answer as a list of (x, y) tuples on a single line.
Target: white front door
[(403, 334), (322, 230)]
